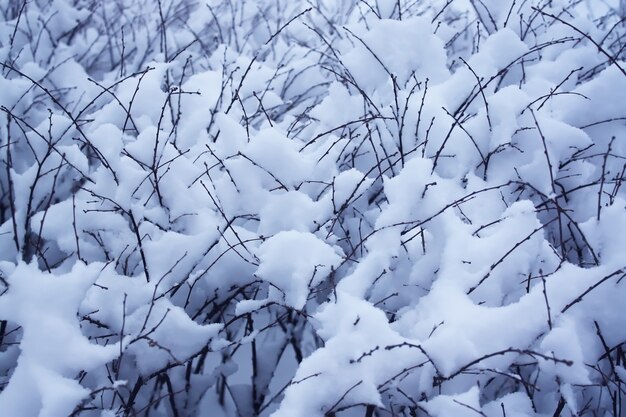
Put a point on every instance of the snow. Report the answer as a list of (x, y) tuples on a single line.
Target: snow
[(464, 404), (298, 213), (53, 348), (373, 58), (330, 208), (283, 266)]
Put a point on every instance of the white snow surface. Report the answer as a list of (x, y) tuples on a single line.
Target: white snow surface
[(324, 208)]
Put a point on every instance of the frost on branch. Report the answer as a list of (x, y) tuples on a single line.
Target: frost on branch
[(322, 208)]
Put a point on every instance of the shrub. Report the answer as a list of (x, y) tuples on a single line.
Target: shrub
[(333, 208)]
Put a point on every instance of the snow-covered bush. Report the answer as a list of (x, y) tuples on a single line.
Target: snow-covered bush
[(322, 208)]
